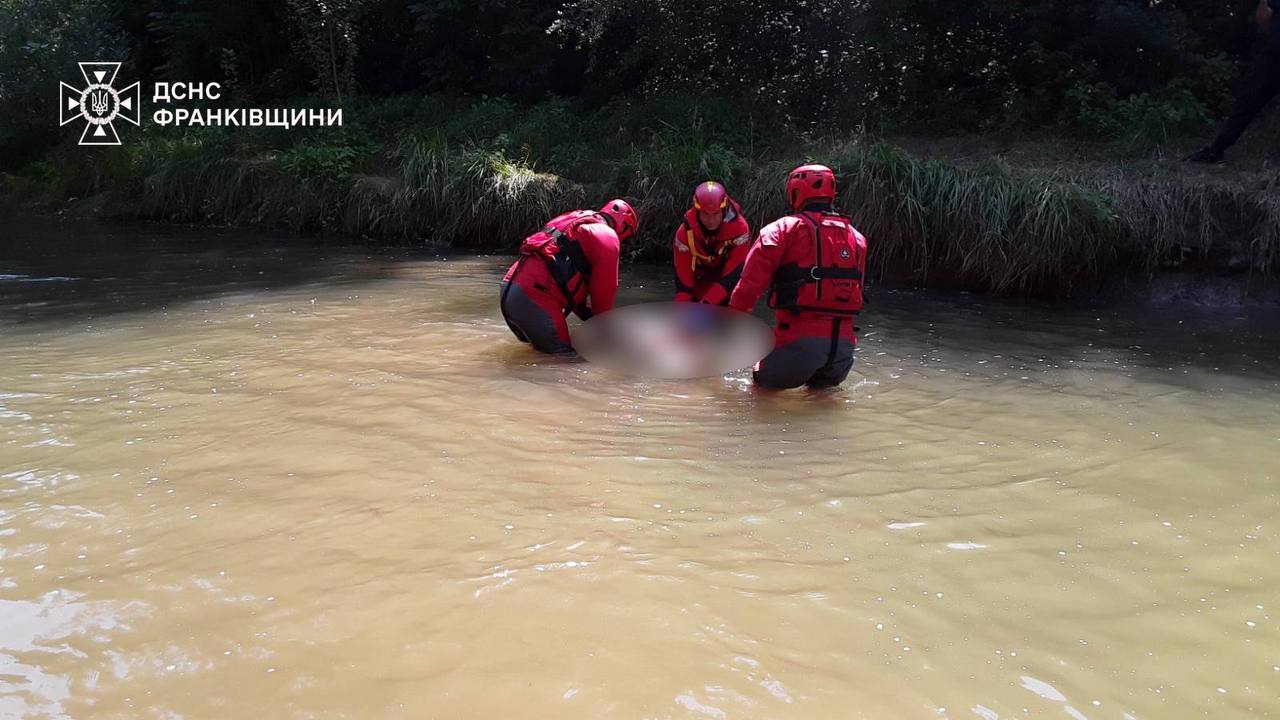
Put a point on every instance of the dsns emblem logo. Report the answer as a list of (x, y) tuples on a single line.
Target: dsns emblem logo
[(99, 103)]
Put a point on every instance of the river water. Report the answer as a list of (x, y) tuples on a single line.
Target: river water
[(243, 478)]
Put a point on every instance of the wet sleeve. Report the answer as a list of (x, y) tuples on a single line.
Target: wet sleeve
[(601, 248), (757, 270), (719, 293), (683, 264)]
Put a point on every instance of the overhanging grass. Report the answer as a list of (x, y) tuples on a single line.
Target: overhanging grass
[(485, 175)]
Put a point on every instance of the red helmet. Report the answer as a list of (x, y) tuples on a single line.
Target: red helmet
[(710, 197), (810, 182), (622, 217)]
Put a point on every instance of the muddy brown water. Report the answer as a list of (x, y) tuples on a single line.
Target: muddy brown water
[(246, 479)]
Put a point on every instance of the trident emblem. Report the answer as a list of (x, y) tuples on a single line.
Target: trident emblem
[(99, 104)]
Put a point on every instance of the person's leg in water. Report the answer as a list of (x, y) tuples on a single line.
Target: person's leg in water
[(1261, 86), (791, 364), (812, 351), (535, 323), (502, 306), (840, 343), (836, 369), (793, 361)]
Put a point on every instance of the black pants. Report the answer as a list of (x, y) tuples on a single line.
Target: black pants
[(532, 324), (814, 361), (1261, 85)]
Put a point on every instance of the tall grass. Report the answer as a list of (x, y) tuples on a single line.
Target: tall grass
[(976, 227), (1208, 223), (483, 175)]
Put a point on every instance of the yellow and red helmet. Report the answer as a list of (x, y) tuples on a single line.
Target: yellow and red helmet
[(710, 197)]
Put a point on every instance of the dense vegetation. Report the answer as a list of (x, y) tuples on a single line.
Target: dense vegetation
[(1101, 67), (468, 121)]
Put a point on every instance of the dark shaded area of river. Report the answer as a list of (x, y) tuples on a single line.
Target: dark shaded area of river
[(76, 271)]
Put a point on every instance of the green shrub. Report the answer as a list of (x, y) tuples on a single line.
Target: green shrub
[(482, 178), (1145, 119), (328, 162)]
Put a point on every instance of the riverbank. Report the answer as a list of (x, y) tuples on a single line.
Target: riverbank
[(979, 214)]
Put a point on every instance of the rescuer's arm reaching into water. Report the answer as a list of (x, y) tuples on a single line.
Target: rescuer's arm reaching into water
[(600, 245)]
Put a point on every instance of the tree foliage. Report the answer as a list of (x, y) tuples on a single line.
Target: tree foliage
[(324, 34), (1095, 67), (40, 43), (963, 65)]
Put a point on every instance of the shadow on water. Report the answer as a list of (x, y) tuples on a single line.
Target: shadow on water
[(956, 329), (72, 271), (55, 270)]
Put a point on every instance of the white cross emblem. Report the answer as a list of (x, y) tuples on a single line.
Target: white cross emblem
[(99, 104)]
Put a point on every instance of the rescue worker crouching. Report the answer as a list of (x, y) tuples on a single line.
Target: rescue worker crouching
[(710, 246), (812, 263), (570, 266)]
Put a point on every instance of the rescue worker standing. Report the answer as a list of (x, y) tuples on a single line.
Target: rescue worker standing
[(570, 266), (710, 246), (1261, 86), (812, 263)]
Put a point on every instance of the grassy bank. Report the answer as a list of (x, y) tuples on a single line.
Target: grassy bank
[(481, 175)]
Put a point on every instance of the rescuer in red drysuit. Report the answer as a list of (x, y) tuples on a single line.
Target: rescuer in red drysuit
[(710, 246), (572, 260), (812, 263)]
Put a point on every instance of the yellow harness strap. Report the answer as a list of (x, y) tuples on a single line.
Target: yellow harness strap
[(694, 255)]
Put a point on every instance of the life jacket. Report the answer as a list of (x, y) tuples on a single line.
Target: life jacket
[(565, 259), (827, 280), (706, 265)]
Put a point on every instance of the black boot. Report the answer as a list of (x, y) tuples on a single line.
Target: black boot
[(1208, 155)]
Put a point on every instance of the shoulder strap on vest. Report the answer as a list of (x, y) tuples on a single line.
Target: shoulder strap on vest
[(570, 260)]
